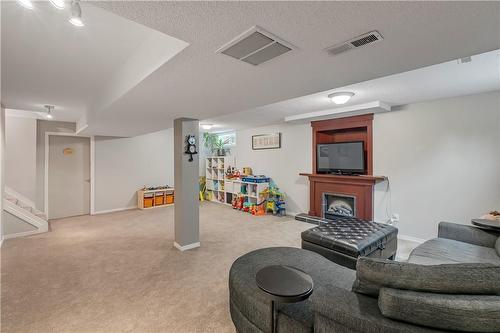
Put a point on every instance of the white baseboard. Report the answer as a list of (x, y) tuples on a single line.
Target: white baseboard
[(22, 234), (186, 247), (411, 239), (114, 210)]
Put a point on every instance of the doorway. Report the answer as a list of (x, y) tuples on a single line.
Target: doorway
[(68, 185)]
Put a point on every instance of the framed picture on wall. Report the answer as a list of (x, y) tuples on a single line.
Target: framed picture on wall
[(266, 141)]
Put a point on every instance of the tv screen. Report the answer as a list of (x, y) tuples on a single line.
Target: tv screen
[(342, 157)]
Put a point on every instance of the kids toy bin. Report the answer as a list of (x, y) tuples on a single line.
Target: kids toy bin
[(256, 179), (159, 198), (148, 200), (169, 199)]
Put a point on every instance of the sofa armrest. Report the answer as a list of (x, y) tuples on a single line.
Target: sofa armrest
[(340, 310), (467, 234)]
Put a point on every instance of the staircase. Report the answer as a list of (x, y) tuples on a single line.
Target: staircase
[(24, 209)]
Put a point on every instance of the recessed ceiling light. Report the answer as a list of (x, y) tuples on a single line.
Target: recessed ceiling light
[(76, 14), (26, 3), (207, 126), (341, 97), (59, 4), (49, 109)]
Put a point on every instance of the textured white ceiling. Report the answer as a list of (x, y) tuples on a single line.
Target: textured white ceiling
[(201, 84), (443, 80), (46, 60)]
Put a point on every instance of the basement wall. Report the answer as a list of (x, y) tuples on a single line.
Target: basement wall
[(125, 165), (442, 159)]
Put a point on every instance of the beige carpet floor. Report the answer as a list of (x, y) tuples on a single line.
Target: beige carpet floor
[(120, 272)]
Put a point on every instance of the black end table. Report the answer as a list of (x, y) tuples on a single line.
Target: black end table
[(284, 284)]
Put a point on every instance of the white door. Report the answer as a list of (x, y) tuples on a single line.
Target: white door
[(69, 176)]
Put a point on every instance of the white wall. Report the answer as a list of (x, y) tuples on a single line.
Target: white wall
[(124, 165), (2, 168), (282, 165), (13, 225), (442, 159), (20, 155)]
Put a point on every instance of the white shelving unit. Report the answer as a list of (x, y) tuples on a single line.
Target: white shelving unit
[(222, 190), (216, 167)]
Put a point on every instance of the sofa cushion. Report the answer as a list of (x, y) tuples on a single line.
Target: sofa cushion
[(373, 274), (467, 313), (447, 251)]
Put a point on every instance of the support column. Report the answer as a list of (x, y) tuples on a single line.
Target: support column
[(186, 172)]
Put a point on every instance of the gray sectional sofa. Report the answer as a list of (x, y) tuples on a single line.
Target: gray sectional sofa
[(450, 283)]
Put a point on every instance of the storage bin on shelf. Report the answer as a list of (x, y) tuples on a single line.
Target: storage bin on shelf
[(169, 199), (159, 198), (148, 200), (155, 197)]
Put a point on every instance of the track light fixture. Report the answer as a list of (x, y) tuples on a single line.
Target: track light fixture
[(76, 9), (26, 4), (76, 14), (59, 4)]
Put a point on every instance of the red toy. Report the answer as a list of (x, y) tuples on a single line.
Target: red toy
[(238, 202)]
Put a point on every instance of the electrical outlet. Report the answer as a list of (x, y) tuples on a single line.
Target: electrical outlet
[(395, 218)]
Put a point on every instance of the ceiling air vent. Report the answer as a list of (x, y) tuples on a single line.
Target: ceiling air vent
[(368, 38), (255, 46)]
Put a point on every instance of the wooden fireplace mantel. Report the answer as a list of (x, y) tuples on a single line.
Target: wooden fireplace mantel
[(348, 129), (360, 187), (360, 179)]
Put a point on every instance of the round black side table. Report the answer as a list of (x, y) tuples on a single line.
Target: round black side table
[(284, 284)]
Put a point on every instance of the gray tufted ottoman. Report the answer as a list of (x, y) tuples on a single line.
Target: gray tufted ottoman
[(250, 308), (344, 239)]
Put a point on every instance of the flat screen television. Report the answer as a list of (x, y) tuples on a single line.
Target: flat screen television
[(341, 157)]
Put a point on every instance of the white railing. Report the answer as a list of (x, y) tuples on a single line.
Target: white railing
[(23, 208), (19, 196)]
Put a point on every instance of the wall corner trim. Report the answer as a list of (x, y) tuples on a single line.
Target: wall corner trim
[(186, 247), (106, 211), (411, 239)]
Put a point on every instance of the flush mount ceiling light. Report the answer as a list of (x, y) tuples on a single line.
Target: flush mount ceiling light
[(207, 126), (341, 97), (59, 4), (49, 109), (26, 3), (76, 14)]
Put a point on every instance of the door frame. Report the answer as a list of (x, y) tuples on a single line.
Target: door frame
[(46, 176)]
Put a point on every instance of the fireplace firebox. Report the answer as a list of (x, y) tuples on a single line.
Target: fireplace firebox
[(338, 205)]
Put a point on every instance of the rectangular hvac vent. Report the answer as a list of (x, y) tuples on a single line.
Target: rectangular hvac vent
[(255, 46), (368, 38)]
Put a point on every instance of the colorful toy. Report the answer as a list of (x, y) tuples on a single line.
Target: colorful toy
[(246, 206), (275, 200), (238, 201), (259, 209), (203, 187), (232, 173)]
